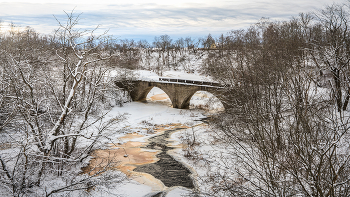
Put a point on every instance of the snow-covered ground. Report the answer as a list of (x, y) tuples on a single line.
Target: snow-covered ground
[(205, 155)]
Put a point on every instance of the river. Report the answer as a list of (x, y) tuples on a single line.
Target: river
[(144, 152)]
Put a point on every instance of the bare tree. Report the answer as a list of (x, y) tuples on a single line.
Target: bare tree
[(59, 100), (330, 49), (283, 135)]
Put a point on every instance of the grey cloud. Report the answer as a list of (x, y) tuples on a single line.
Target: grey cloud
[(148, 19)]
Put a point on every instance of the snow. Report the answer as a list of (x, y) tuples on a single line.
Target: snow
[(152, 113), (145, 75), (148, 115), (207, 154), (178, 191), (140, 115), (157, 111), (184, 75), (130, 188)]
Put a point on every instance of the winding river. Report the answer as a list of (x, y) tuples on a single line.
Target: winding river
[(166, 169)]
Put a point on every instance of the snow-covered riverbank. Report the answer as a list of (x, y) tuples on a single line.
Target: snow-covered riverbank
[(144, 121)]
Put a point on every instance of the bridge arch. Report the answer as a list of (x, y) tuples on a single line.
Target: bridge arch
[(186, 103), (143, 93), (158, 95)]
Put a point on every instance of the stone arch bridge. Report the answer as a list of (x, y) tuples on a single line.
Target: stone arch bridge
[(180, 91)]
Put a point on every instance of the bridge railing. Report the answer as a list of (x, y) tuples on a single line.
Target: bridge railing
[(189, 81)]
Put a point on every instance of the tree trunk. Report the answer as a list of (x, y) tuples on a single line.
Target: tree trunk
[(346, 102), (338, 93)]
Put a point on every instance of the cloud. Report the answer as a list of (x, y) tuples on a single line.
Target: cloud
[(152, 19)]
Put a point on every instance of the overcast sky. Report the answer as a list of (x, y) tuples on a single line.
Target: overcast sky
[(144, 19)]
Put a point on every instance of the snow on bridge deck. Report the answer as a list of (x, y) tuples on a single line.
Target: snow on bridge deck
[(188, 81)]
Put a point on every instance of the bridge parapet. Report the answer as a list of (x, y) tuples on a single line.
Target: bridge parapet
[(190, 81)]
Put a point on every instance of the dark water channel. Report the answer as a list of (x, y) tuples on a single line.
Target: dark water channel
[(167, 169)]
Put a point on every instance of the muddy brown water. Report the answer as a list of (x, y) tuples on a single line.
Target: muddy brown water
[(146, 162), (167, 169)]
